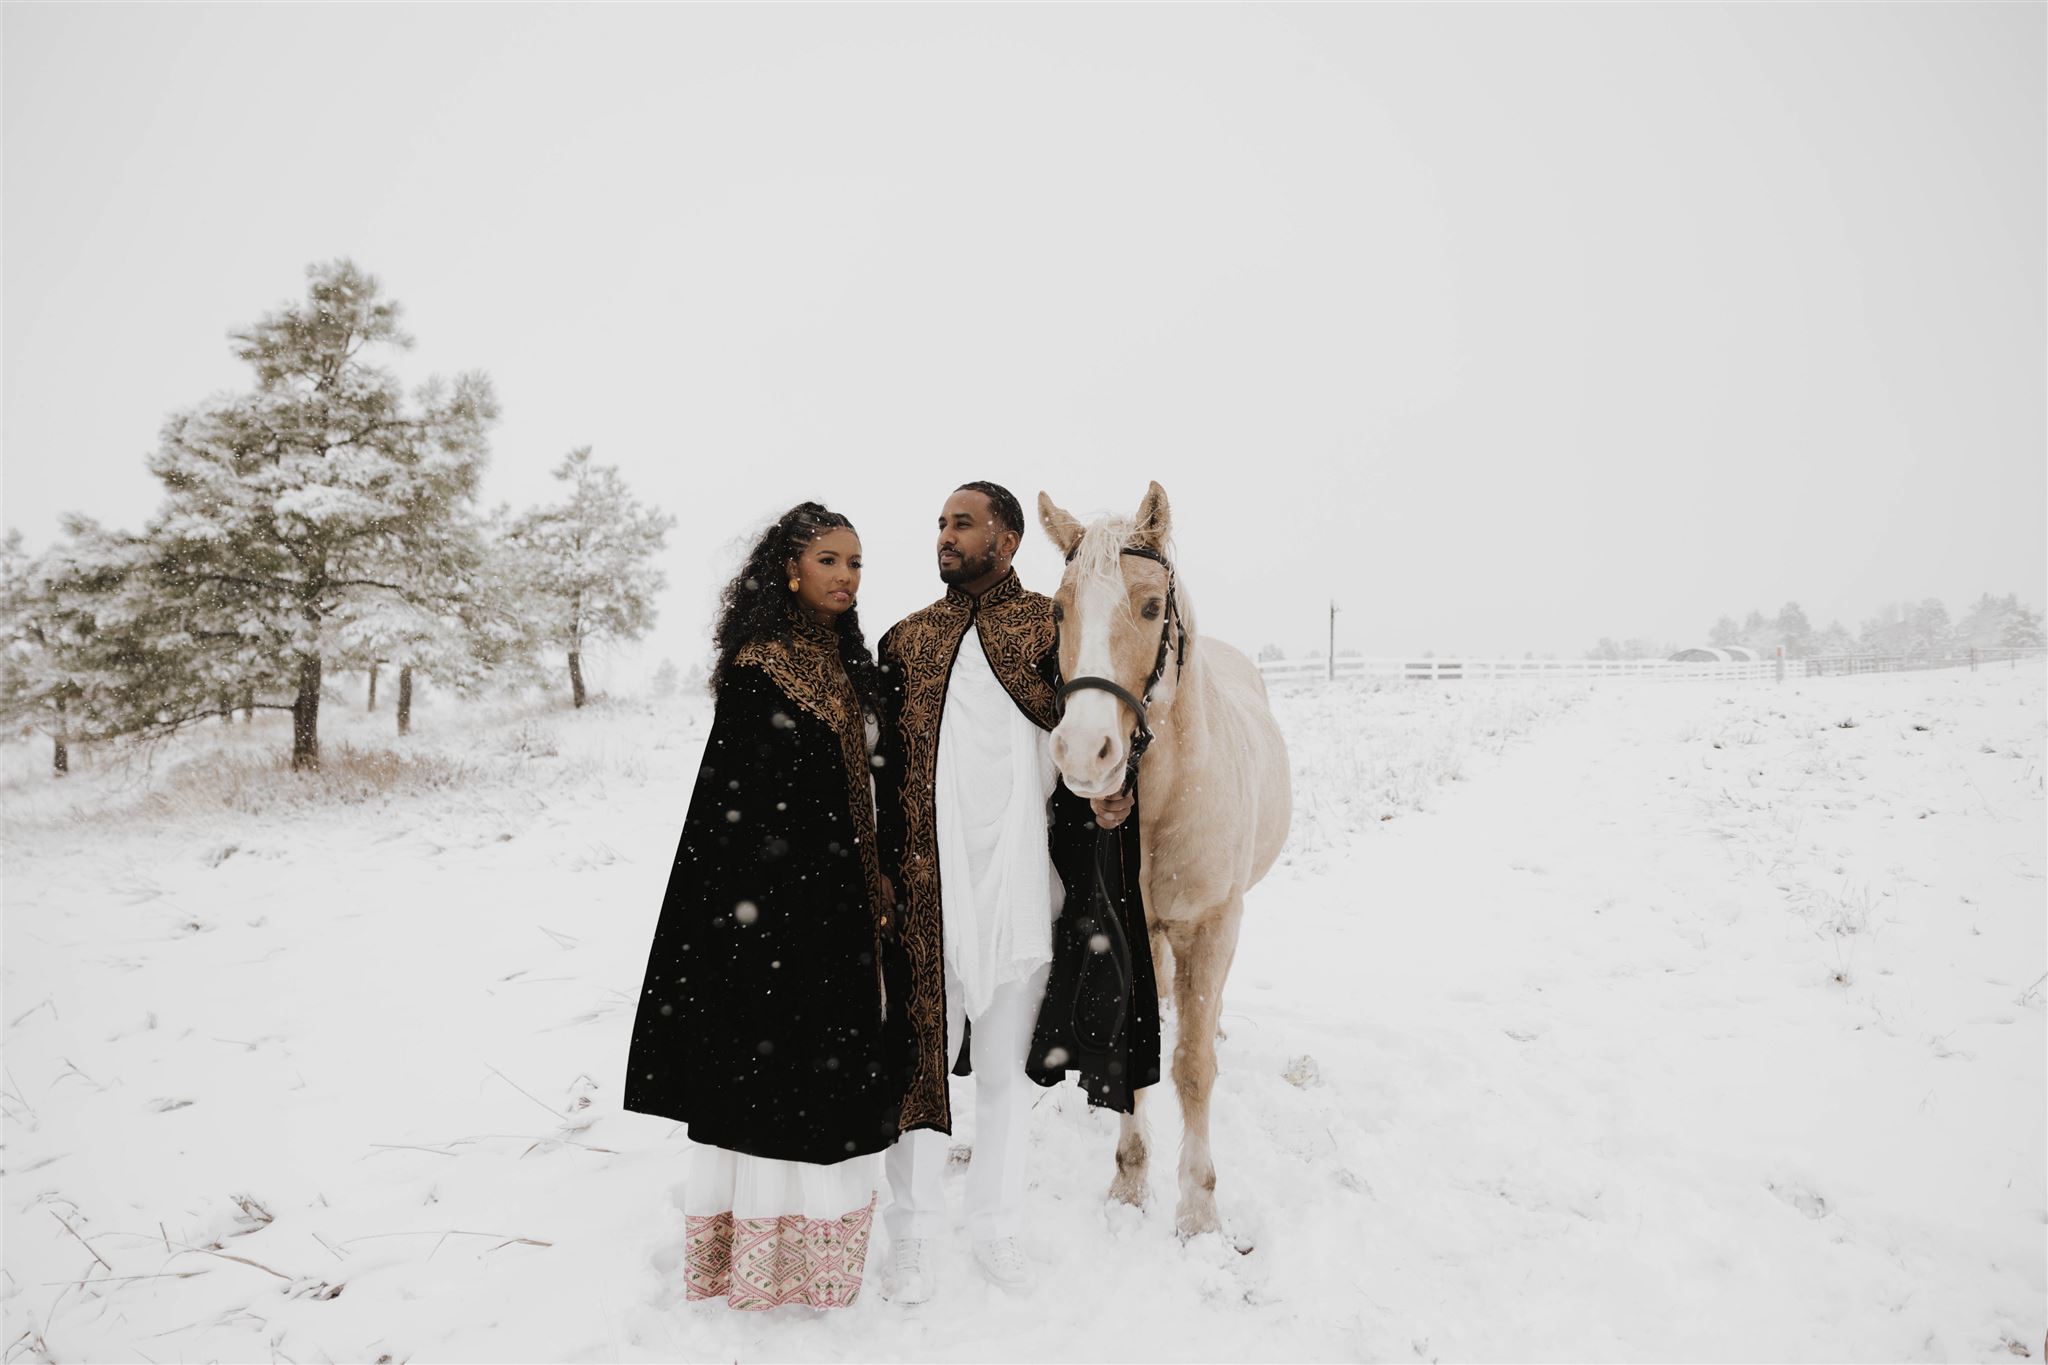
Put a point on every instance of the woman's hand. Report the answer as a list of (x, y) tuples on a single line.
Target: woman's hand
[(1111, 811)]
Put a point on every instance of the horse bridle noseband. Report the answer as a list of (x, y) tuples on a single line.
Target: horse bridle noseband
[(1173, 632)]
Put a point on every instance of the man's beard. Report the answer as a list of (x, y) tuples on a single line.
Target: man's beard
[(967, 570)]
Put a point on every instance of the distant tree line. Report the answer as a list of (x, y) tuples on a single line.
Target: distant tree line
[(321, 521), (1899, 629), (1903, 629)]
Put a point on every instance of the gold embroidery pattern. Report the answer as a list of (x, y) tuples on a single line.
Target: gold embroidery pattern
[(809, 672), (1017, 632)]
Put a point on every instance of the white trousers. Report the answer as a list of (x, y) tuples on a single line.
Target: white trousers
[(916, 1165)]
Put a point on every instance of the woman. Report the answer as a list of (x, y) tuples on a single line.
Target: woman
[(761, 1023)]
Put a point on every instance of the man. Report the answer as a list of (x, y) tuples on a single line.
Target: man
[(964, 779)]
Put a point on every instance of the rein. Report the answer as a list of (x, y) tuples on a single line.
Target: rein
[(1173, 632)]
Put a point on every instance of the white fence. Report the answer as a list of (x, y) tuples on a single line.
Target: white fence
[(1637, 670)]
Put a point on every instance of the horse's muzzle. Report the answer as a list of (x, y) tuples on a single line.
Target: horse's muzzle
[(1089, 757)]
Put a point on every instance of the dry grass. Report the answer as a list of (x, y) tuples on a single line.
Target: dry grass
[(214, 776), (348, 775)]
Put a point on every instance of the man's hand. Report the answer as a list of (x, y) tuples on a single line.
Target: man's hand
[(1111, 811)]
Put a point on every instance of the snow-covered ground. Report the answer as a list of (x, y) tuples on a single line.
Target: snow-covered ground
[(1643, 1022)]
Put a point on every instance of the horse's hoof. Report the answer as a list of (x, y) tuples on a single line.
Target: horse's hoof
[(1128, 1188), (1193, 1221)]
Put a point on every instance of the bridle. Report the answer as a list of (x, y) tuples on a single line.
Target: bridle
[(1173, 632)]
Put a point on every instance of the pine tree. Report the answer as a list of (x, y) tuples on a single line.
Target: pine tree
[(586, 562), (317, 507), (1760, 633), (454, 626), (1930, 633), (1835, 640), (666, 678), (1991, 619), (1725, 633), (1886, 631), (1794, 631), (2023, 629), (80, 640), (39, 630)]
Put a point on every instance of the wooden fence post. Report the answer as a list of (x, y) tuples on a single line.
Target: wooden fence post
[(1333, 639)]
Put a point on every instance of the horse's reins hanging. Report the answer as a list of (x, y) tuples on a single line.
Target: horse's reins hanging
[(1173, 632)]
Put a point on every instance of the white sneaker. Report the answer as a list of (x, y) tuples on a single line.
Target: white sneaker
[(1002, 1260), (909, 1277)]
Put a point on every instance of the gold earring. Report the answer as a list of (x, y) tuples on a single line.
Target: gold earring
[(794, 584)]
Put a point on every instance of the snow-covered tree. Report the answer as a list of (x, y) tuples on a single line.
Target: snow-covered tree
[(83, 642), (665, 679), (40, 683), (587, 562), (1932, 632), (317, 507), (1794, 631), (458, 625), (1835, 640), (2023, 630), (1909, 629), (1885, 630), (1725, 633), (1271, 654), (1998, 622)]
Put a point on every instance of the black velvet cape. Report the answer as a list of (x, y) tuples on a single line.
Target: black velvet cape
[(761, 1018)]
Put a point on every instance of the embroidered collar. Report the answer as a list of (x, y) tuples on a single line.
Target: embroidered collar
[(1008, 588), (806, 629)]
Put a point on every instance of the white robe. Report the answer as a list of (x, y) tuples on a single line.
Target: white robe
[(998, 891)]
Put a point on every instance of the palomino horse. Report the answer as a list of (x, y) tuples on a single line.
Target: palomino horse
[(1213, 792)]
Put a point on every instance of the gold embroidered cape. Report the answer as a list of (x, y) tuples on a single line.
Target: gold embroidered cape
[(916, 656), (810, 673)]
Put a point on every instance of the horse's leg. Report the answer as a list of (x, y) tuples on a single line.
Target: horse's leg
[(1202, 953), (1129, 1187), (1162, 963)]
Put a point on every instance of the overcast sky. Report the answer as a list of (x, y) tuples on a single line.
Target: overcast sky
[(1505, 327)]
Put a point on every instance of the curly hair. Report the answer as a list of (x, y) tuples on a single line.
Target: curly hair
[(755, 605)]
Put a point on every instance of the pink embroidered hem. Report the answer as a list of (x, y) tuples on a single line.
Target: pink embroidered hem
[(759, 1263)]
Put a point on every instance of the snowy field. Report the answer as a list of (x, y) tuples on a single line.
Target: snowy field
[(1625, 1022)]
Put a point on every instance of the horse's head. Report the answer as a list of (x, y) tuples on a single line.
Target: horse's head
[(1119, 622)]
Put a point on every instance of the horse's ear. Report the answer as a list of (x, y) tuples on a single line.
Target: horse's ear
[(1061, 525), (1155, 519)]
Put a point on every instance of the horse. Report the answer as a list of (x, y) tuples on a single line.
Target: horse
[(1214, 797)]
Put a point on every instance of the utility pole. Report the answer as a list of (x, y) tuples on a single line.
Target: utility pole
[(1333, 640)]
